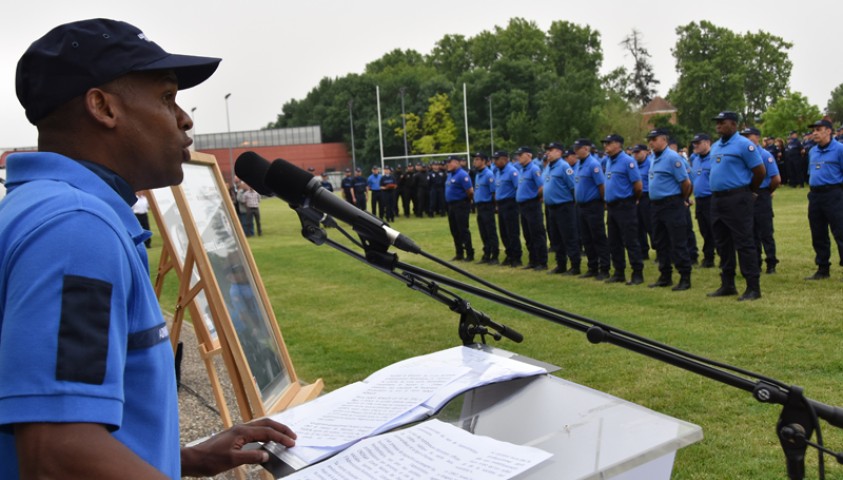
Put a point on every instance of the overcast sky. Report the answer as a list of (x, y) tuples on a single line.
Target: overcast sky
[(277, 50)]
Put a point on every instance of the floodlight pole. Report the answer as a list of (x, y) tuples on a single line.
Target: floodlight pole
[(380, 125), (404, 127), (465, 117), (351, 124)]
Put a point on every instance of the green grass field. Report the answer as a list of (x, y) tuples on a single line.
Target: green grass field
[(342, 320)]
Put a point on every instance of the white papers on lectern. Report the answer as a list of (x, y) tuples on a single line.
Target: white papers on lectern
[(396, 395), (427, 451)]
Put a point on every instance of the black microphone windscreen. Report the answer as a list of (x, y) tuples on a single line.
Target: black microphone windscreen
[(251, 168), (288, 181)]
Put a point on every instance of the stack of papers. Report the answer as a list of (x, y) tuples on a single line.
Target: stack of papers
[(396, 395)]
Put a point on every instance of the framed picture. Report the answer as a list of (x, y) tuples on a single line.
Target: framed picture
[(207, 231)]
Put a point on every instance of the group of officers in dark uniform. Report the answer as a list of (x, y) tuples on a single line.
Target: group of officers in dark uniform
[(613, 206)]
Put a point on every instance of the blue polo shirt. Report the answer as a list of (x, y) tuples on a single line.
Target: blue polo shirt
[(529, 183), (700, 173), (732, 161), (644, 173), (374, 182), (559, 184), (771, 166), (506, 182), (667, 173), (82, 338), (621, 173), (589, 175), (457, 185), (484, 190), (825, 164)]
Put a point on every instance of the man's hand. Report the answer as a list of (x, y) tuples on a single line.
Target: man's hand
[(224, 450)]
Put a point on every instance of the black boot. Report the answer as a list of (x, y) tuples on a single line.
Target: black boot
[(618, 277), (727, 287), (589, 274), (664, 280), (493, 260), (684, 283), (707, 263), (637, 278), (484, 259), (469, 257), (560, 269), (574, 271), (603, 275), (753, 290), (822, 273)]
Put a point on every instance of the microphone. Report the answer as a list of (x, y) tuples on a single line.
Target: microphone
[(300, 188)]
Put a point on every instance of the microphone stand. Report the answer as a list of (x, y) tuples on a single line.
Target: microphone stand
[(797, 421)]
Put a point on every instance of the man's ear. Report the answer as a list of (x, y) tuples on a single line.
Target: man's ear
[(102, 107)]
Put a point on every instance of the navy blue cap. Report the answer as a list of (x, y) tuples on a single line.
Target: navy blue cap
[(521, 150), (75, 57), (347, 170), (480, 154), (555, 145), (358, 169), (373, 167), (672, 141), (700, 137), (822, 123), (387, 167), (726, 115), (569, 152), (500, 153), (613, 138), (581, 142), (750, 131), (452, 157), (639, 148), (659, 132)]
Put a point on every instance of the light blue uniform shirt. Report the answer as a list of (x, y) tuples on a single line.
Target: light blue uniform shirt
[(826, 164), (529, 183), (558, 183), (644, 172), (732, 161), (667, 173), (374, 182), (484, 189), (457, 185), (506, 182), (589, 175), (770, 165), (700, 173), (621, 173)]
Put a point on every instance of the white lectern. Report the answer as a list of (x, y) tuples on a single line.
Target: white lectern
[(592, 435)]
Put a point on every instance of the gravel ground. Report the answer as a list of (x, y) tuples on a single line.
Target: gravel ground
[(198, 411)]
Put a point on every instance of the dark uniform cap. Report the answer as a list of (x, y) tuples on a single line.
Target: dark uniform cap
[(639, 148), (374, 167), (700, 137), (358, 169), (521, 150), (347, 170), (613, 138), (659, 132), (726, 115), (454, 157), (581, 142), (822, 123), (750, 131), (555, 145), (568, 153), (481, 155), (501, 153), (75, 57), (387, 167)]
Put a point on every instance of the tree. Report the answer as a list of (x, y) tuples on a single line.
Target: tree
[(642, 79), (791, 112), (721, 70), (834, 108), (440, 132)]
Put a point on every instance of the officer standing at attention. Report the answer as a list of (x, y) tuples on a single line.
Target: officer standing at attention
[(360, 185), (484, 201), (589, 192), (736, 173), (406, 188), (388, 185), (670, 189), (641, 154), (561, 210), (529, 198), (422, 190), (825, 200), (506, 185), (374, 184), (347, 186), (458, 194), (763, 208), (700, 173), (623, 189), (437, 178)]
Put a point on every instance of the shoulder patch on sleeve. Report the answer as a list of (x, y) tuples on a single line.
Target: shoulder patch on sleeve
[(596, 169), (569, 171), (83, 333), (678, 164), (752, 148), (769, 159), (631, 164)]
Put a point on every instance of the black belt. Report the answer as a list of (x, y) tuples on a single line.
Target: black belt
[(506, 200), (456, 202), (726, 193), (826, 188), (664, 200), (615, 203), (527, 202), (482, 203), (559, 205)]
